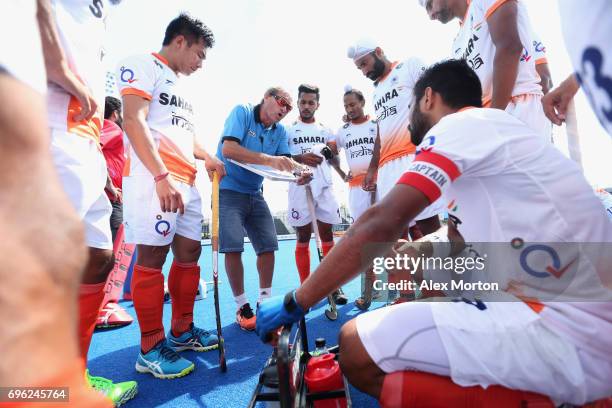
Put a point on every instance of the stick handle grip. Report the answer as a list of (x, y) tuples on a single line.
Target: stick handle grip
[(215, 212)]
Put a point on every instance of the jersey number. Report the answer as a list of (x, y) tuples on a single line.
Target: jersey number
[(96, 8), (592, 67)]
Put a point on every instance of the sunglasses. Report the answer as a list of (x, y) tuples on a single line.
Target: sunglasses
[(283, 102)]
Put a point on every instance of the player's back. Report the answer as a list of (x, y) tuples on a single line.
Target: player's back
[(515, 184)]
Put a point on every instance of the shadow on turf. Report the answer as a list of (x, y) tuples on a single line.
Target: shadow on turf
[(246, 356)]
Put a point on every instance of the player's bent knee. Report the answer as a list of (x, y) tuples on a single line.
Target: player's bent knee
[(101, 262), (348, 336), (152, 256)]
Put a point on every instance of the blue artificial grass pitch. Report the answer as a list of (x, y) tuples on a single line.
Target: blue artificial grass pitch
[(113, 353)]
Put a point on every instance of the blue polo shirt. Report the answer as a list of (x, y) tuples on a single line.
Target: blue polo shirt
[(243, 126)]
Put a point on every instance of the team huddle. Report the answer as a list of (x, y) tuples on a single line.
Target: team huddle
[(469, 136)]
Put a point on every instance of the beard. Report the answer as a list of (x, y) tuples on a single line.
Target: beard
[(306, 115), (377, 70), (419, 125)]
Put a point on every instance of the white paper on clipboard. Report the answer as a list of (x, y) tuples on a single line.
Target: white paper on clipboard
[(267, 171)]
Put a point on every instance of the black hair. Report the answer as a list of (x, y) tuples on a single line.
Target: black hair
[(358, 94), (111, 104), (190, 28), (306, 88), (454, 80)]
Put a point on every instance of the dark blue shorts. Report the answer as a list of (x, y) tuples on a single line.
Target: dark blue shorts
[(240, 212)]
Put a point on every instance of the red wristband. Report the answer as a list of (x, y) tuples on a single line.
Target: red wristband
[(161, 177)]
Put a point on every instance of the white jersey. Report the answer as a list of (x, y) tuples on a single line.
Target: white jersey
[(357, 140), (19, 16), (539, 49), (506, 185), (80, 25), (392, 100), (587, 30), (474, 44), (170, 116), (302, 137)]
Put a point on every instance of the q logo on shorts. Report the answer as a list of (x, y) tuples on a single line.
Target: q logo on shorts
[(553, 269), (162, 227)]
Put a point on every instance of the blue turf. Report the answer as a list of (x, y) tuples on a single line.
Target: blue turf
[(114, 352)]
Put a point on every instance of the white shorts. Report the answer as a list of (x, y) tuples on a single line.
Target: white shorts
[(388, 175), (528, 108), (326, 207), (146, 224), (359, 201), (505, 344), (82, 171)]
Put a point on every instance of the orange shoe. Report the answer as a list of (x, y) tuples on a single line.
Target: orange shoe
[(245, 318), (112, 315)]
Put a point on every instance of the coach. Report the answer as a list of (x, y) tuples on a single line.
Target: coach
[(251, 134)]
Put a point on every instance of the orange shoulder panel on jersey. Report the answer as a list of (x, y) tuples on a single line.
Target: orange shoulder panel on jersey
[(494, 7), (137, 92), (87, 128), (177, 164)]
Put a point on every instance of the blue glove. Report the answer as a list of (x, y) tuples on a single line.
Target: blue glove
[(275, 312)]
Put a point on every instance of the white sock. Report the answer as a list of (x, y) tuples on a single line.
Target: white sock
[(241, 300), (264, 293)]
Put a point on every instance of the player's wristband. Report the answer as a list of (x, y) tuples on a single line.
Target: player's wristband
[(161, 176), (291, 305)]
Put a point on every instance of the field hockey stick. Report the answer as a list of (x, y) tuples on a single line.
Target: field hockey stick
[(573, 138), (215, 267), (332, 312)]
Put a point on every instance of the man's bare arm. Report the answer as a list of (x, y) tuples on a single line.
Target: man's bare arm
[(56, 63), (369, 183), (545, 77), (508, 49), (232, 150), (211, 163), (135, 111), (372, 235)]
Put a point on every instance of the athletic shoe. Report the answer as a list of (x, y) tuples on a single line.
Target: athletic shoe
[(112, 315), (195, 339), (167, 298), (118, 393), (403, 298), (245, 318), (163, 362), (339, 297)]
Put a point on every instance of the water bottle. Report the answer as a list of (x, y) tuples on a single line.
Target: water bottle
[(270, 385), (320, 348), (323, 374)]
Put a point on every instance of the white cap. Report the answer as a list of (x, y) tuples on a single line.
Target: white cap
[(422, 2), (360, 49)]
